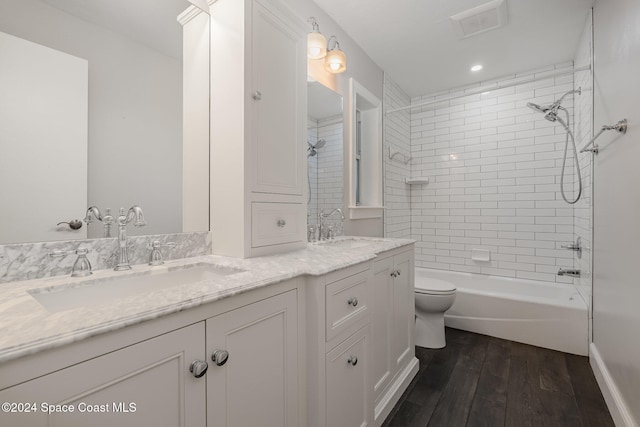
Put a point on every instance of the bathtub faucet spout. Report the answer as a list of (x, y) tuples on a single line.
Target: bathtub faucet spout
[(569, 272)]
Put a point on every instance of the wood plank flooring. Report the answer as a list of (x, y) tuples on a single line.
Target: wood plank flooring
[(481, 381)]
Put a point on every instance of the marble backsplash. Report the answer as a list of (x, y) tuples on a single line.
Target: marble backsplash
[(27, 261)]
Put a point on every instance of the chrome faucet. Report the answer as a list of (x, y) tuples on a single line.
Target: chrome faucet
[(135, 212), (321, 216)]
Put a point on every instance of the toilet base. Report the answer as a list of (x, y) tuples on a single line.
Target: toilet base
[(429, 330)]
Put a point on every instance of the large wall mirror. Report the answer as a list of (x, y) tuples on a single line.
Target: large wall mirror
[(91, 113), (324, 151)]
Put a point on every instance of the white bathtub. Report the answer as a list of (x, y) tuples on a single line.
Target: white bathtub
[(550, 315)]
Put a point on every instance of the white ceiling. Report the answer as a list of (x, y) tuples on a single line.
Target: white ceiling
[(149, 22), (415, 42)]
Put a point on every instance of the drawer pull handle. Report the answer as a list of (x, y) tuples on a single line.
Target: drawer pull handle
[(353, 360), (198, 368), (220, 357), (282, 223), (353, 301)]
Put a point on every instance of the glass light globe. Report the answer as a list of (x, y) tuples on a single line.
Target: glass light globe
[(316, 45), (336, 61)]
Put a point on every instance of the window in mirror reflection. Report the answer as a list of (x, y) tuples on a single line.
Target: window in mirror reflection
[(324, 151)]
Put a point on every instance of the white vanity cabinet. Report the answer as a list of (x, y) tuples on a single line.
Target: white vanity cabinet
[(148, 383), (253, 359), (258, 128), (393, 317), (162, 373), (338, 348)]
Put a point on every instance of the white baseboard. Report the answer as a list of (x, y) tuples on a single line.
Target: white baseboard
[(393, 394), (615, 402)]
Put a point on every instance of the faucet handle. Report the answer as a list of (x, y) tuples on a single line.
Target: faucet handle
[(156, 256), (60, 254), (82, 266)]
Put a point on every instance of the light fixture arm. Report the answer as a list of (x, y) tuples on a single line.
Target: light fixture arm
[(336, 44), (315, 28)]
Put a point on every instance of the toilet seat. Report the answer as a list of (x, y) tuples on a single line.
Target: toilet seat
[(434, 287)]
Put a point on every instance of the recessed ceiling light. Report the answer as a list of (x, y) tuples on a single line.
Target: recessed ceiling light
[(476, 68)]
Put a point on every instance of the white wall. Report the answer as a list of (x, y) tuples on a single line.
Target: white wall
[(361, 68), (616, 288), (397, 138), (135, 130), (494, 169)]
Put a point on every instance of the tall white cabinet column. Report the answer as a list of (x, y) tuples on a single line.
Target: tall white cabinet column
[(258, 113)]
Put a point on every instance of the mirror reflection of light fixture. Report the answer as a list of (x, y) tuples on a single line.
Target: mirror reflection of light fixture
[(336, 61), (316, 42)]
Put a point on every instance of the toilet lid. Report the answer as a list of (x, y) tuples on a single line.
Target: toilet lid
[(434, 286)]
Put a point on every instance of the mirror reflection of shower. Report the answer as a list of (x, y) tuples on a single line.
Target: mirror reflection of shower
[(312, 151), (551, 113)]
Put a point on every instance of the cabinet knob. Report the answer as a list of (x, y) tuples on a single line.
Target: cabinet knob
[(198, 368), (257, 96), (282, 223), (220, 357), (397, 273), (352, 360), (352, 301)]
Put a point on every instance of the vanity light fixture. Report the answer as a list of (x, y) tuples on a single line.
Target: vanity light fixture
[(336, 60), (316, 42)]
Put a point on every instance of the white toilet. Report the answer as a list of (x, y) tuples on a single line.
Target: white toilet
[(433, 298)]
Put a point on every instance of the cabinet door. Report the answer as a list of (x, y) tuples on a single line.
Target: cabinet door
[(348, 397), (392, 318), (381, 326), (278, 100), (402, 346), (257, 385), (146, 384)]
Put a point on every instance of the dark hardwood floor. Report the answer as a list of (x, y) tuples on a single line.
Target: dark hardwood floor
[(481, 381)]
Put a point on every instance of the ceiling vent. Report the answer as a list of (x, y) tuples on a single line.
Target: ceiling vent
[(486, 17)]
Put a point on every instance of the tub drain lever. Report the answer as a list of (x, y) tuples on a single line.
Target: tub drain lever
[(569, 272)]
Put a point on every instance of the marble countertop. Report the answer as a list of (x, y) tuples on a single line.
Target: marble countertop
[(28, 327)]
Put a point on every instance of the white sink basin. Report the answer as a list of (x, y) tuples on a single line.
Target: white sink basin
[(349, 242), (99, 291)]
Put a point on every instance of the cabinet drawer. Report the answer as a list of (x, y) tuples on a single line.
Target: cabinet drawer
[(276, 223), (347, 302)]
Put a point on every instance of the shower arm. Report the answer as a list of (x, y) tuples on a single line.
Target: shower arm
[(620, 127)]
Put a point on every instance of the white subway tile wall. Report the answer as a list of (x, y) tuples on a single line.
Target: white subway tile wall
[(494, 169), (312, 173), (397, 138), (330, 164), (584, 131)]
